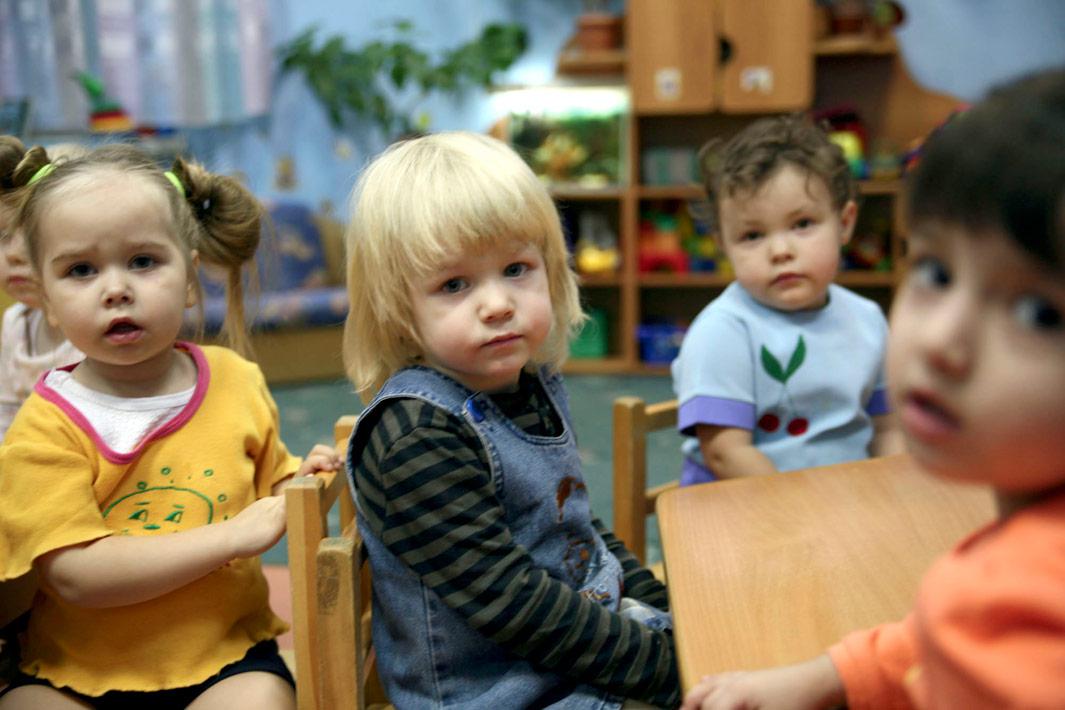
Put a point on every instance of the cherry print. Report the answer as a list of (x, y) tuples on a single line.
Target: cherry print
[(769, 422), (797, 426)]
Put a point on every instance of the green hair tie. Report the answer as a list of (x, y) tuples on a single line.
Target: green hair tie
[(176, 181), (42, 172)]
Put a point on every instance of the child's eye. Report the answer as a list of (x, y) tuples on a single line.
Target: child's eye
[(804, 223), (453, 285), (750, 236), (80, 270), (1038, 313), (141, 261), (516, 269), (930, 272)]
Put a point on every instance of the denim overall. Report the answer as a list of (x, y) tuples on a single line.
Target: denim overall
[(428, 655)]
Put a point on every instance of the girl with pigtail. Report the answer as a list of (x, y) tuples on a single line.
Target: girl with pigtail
[(143, 481), (29, 344)]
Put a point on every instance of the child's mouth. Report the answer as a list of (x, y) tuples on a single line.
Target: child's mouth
[(924, 417), (785, 279), (123, 331)]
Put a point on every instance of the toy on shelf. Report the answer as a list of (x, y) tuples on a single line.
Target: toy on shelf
[(675, 238), (596, 250), (847, 130), (591, 341), (106, 115), (868, 249), (867, 252), (660, 244), (699, 241), (885, 163), (660, 341)]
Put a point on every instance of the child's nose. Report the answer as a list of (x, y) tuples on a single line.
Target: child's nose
[(948, 335), (496, 302), (780, 247), (116, 291)]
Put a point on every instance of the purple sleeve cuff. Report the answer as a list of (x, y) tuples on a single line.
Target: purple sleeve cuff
[(878, 404), (716, 412)]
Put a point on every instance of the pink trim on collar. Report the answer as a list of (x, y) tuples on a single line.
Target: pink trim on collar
[(203, 378)]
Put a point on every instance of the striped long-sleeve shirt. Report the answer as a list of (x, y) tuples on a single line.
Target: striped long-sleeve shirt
[(426, 491)]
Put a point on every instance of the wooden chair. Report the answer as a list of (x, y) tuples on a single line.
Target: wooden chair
[(325, 598), (633, 501)]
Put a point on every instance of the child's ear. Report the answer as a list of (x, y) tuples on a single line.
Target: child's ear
[(848, 216), (190, 288)]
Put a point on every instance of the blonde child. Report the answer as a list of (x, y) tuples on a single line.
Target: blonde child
[(976, 368), (494, 584), (29, 344), (140, 482), (783, 370)]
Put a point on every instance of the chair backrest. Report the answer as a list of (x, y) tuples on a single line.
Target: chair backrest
[(336, 666), (633, 500), (348, 665)]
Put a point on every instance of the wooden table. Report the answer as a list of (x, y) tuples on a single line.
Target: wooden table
[(774, 569)]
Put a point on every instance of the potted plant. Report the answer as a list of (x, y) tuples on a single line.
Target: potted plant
[(597, 28), (382, 80)]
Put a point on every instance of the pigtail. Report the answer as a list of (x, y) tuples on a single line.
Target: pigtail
[(230, 219), (11, 153), (35, 159)]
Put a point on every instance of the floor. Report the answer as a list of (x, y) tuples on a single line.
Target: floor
[(308, 412)]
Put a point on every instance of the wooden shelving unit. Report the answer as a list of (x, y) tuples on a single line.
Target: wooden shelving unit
[(856, 45), (576, 62), (666, 42)]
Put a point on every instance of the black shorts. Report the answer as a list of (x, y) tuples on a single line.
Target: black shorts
[(263, 656)]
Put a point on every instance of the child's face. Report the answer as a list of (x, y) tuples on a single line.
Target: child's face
[(113, 279), (976, 360), (482, 316), (16, 274), (783, 239)]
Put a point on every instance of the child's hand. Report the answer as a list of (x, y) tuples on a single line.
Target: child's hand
[(258, 527), (813, 684), (321, 458)]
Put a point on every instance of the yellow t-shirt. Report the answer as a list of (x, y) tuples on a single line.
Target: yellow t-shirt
[(60, 485)]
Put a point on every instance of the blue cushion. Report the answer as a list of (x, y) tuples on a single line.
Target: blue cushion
[(290, 253), (293, 278), (298, 307)]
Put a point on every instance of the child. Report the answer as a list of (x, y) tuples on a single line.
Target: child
[(784, 369), (976, 368), (138, 482), (494, 585), (29, 345)]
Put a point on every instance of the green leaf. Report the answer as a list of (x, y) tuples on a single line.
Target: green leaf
[(361, 83), (772, 367), (796, 360)]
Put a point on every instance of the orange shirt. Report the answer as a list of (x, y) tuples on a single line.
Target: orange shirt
[(988, 630)]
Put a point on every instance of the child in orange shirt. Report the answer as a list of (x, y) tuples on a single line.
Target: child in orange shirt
[(976, 372)]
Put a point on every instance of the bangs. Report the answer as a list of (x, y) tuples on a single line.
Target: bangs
[(450, 204)]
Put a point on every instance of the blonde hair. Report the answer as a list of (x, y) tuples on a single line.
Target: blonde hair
[(413, 207), (215, 215)]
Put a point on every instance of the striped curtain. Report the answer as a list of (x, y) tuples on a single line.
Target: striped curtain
[(167, 63)]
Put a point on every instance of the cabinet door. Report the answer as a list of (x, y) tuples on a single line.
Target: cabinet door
[(672, 55), (771, 64)]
